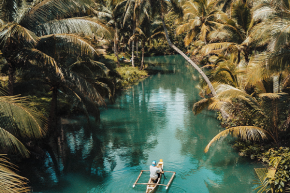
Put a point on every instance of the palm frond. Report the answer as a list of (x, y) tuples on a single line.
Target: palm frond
[(81, 25), (48, 10), (89, 68), (10, 142), (19, 119), (243, 132), (216, 46), (201, 105), (10, 9), (189, 37), (272, 96), (177, 8), (264, 182), (41, 59), (72, 44), (14, 32), (11, 182), (83, 86)]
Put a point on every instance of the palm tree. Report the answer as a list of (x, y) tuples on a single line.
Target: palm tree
[(161, 8), (233, 35), (146, 33), (11, 182), (112, 13), (265, 108), (84, 78), (201, 17), (22, 22), (19, 124), (137, 10)]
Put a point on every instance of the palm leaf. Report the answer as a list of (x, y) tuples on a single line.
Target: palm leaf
[(11, 182), (264, 182), (18, 33), (71, 44), (201, 105), (18, 118), (48, 10), (83, 25), (85, 87), (89, 68), (41, 59), (216, 46), (10, 142), (243, 132)]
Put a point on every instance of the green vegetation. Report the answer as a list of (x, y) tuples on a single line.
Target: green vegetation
[(70, 60)]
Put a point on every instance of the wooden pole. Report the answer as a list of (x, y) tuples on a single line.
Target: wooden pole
[(170, 180), (138, 178), (152, 184)]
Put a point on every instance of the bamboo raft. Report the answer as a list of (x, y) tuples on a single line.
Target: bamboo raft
[(151, 186)]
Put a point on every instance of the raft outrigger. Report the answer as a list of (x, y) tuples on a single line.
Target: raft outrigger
[(151, 186)]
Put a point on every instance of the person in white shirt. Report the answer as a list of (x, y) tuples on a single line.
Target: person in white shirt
[(154, 172)]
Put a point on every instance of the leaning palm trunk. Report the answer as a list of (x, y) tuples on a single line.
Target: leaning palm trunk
[(225, 115), (188, 59), (116, 44)]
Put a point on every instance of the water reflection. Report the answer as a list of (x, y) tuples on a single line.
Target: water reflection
[(150, 121)]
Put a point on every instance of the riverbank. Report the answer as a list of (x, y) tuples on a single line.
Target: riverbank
[(128, 75)]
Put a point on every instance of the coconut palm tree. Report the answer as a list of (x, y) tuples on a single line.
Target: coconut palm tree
[(147, 32), (10, 181), (233, 35), (112, 13), (161, 8), (265, 108), (19, 124), (22, 22), (201, 17)]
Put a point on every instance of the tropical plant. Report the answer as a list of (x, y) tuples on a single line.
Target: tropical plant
[(275, 178), (147, 32), (243, 107), (201, 17), (22, 22), (11, 182), (19, 124), (233, 34)]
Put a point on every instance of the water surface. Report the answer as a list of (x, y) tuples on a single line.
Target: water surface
[(150, 121)]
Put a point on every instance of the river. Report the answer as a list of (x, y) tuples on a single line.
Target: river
[(149, 121)]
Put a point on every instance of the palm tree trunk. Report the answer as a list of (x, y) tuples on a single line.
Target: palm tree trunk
[(132, 59), (225, 115), (142, 60), (11, 72), (116, 45), (187, 59), (52, 120), (137, 45)]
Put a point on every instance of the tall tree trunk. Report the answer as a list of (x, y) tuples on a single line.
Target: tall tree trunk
[(52, 120), (11, 72), (142, 60), (137, 46), (133, 42), (225, 115), (116, 45), (187, 59)]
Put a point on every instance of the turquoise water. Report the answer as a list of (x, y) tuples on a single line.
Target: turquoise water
[(150, 121)]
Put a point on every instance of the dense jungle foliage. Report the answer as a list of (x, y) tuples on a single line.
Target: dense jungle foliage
[(61, 57)]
